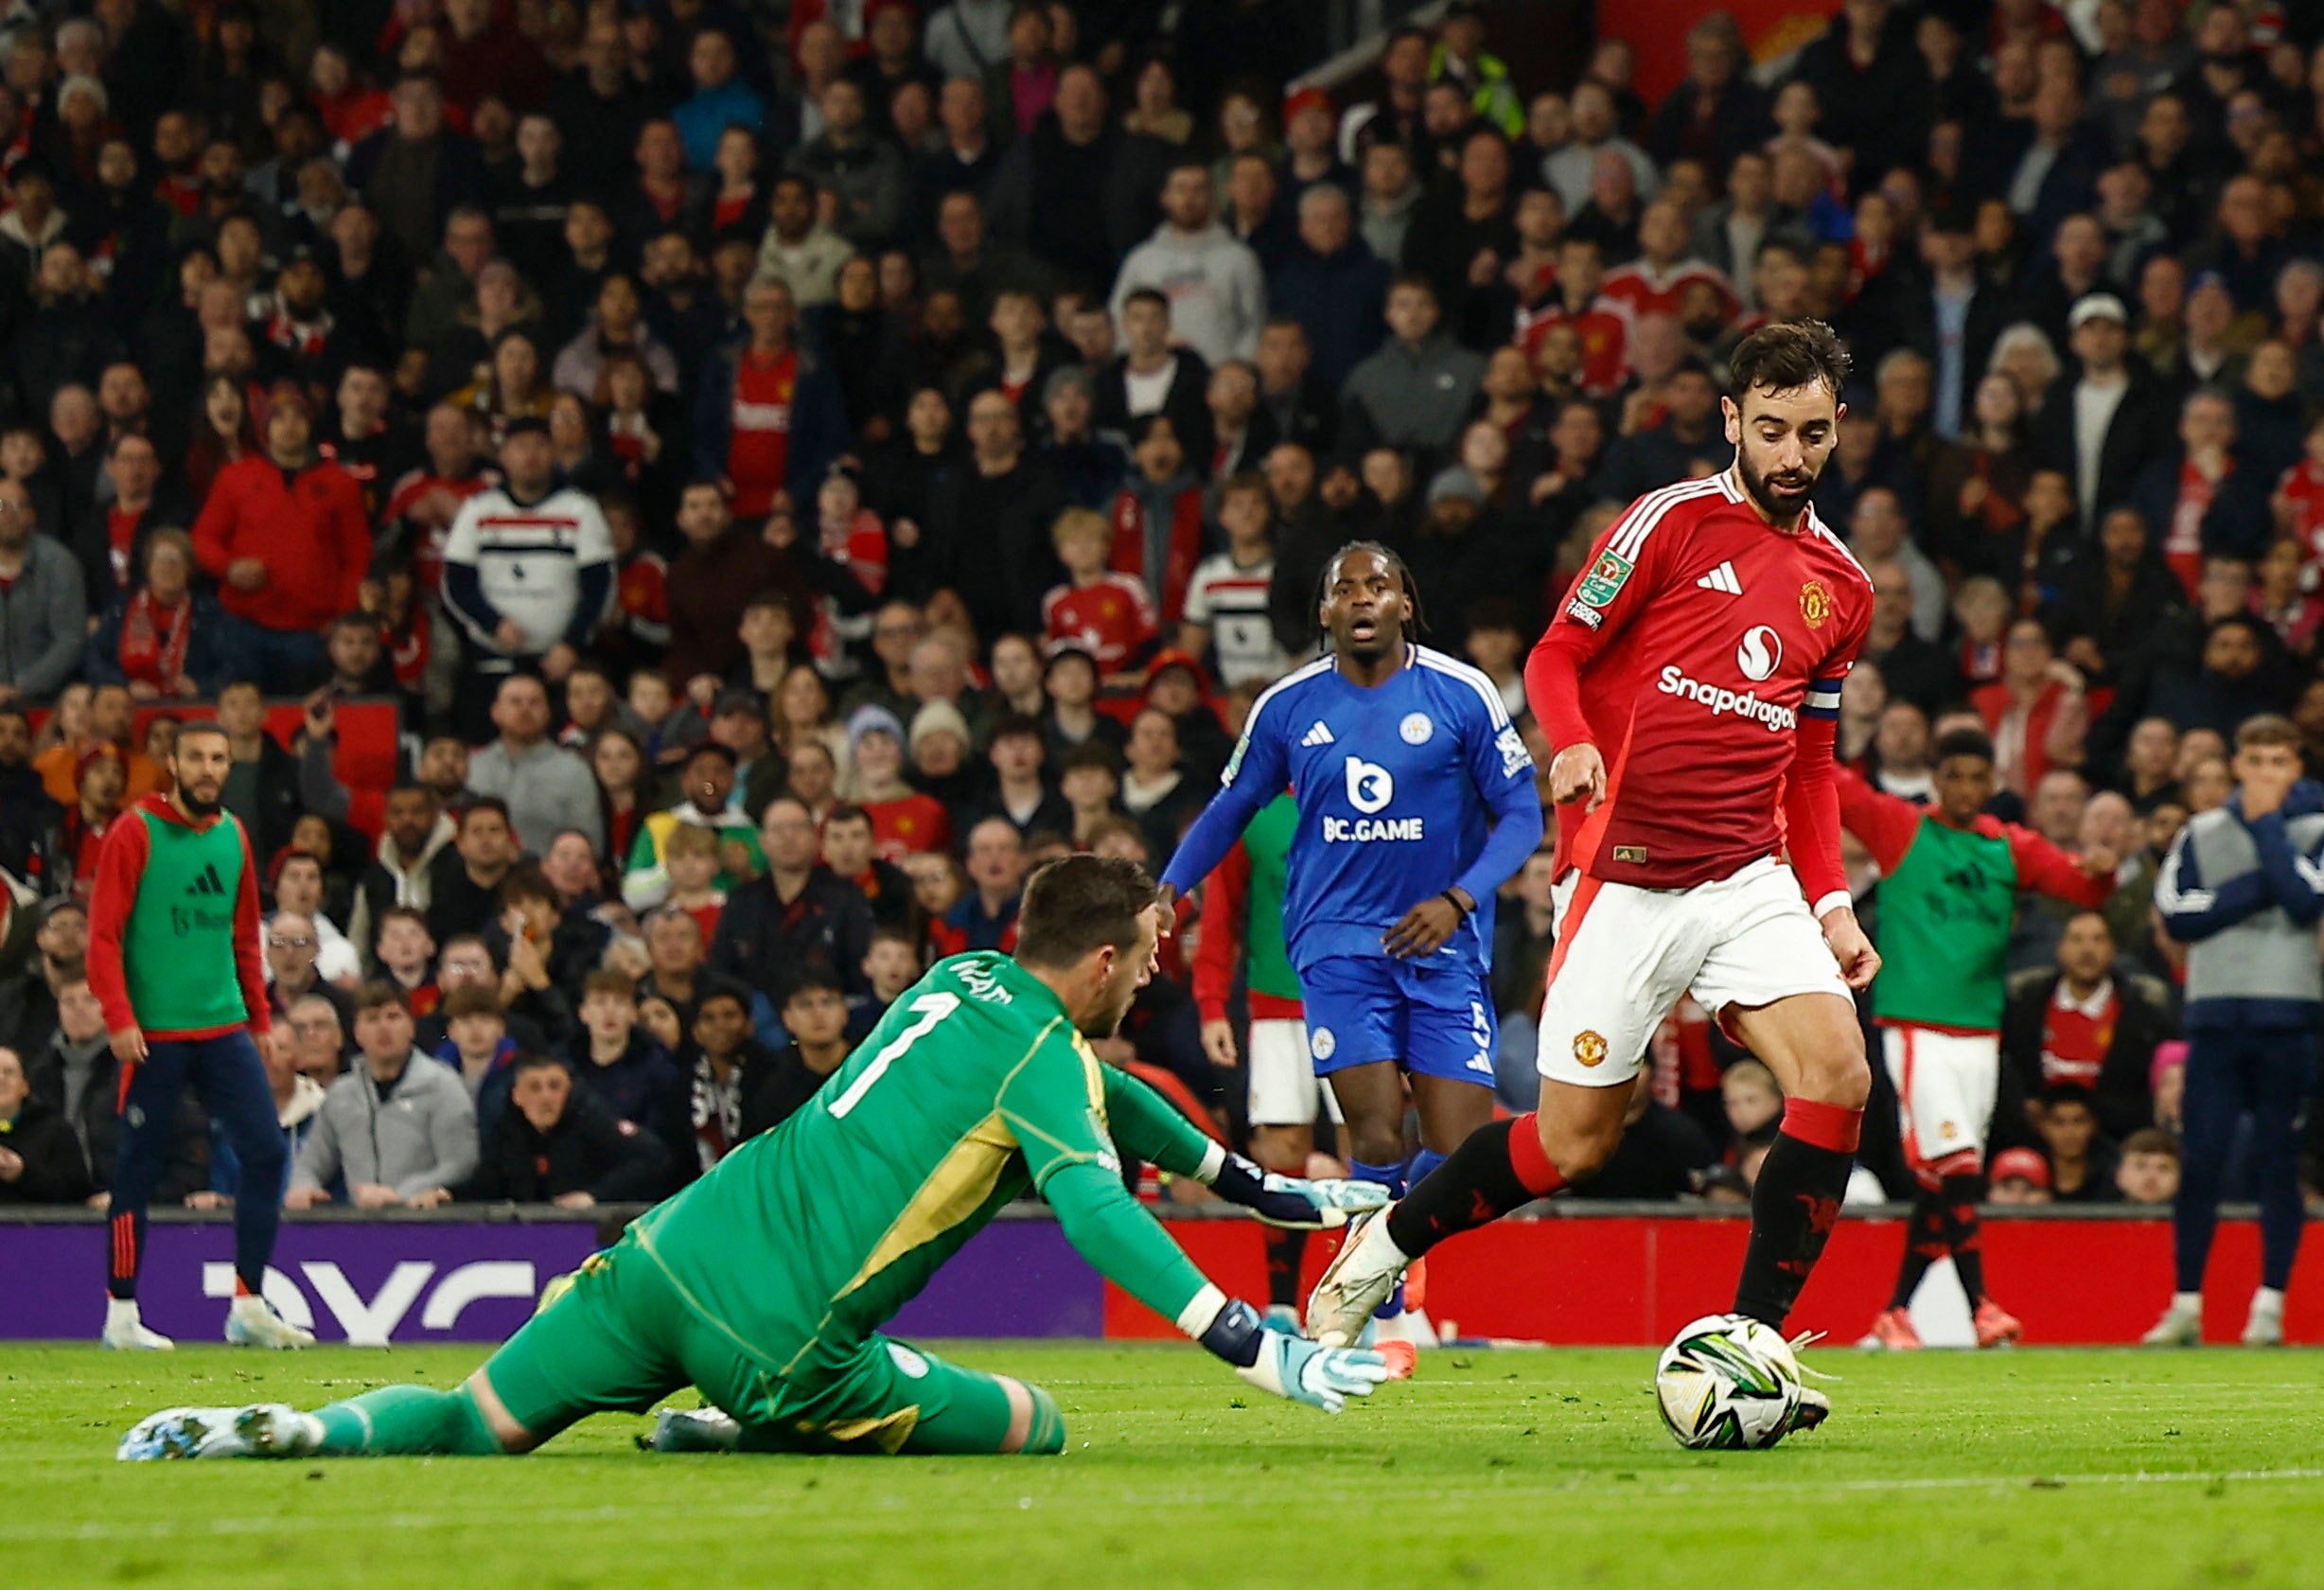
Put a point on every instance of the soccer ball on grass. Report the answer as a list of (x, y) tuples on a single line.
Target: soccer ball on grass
[(1728, 1383)]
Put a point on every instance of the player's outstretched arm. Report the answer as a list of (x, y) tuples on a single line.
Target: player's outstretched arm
[(1129, 1247), (1144, 1122), (1256, 774)]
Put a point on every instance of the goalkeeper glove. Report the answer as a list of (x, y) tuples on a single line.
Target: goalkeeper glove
[(1277, 1362), (1295, 1202), (1322, 1377)]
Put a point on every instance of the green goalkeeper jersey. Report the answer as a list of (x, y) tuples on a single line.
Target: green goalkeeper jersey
[(973, 1089)]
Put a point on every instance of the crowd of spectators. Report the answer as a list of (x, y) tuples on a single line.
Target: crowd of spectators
[(789, 470)]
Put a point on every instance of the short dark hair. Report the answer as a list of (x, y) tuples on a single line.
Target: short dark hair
[(1078, 904), (378, 994), (193, 726), (410, 787), (2152, 1139), (722, 991), (2068, 1093), (1962, 742), (1789, 354), (813, 978), (607, 980), (844, 812), (534, 1060), (527, 882), (1014, 724), (1147, 295), (487, 803)]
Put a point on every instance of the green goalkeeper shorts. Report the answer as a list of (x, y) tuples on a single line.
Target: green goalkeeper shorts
[(620, 1339)]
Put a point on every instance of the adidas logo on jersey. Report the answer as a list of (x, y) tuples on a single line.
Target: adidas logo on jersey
[(1319, 735), (1722, 579), (207, 882)]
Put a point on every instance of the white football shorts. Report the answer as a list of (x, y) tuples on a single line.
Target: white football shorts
[(1625, 955), (1283, 1082), (1945, 1084)]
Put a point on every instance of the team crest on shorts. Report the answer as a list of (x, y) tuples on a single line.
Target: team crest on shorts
[(1416, 729), (1815, 603), (1321, 1043), (1588, 1048)]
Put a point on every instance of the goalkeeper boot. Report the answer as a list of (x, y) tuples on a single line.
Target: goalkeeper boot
[(126, 1331), (2263, 1327), (1891, 1330), (2181, 1324), (693, 1430), (259, 1430), (1996, 1326), (1356, 1282), (251, 1321)]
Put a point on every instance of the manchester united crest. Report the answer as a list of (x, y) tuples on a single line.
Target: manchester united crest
[(1588, 1048), (1815, 603)]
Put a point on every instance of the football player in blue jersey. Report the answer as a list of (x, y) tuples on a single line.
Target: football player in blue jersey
[(1417, 801)]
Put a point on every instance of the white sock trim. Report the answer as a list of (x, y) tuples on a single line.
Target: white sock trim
[(2268, 1297), (1202, 1311), (1214, 1160)]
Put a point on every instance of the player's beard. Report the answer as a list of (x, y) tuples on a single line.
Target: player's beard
[(198, 807), (1781, 504)]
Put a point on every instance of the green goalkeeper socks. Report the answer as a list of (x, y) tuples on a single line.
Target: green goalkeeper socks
[(407, 1420)]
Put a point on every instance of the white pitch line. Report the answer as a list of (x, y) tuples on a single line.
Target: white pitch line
[(162, 1528)]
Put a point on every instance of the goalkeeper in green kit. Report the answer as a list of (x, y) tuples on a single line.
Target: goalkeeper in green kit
[(765, 1284)]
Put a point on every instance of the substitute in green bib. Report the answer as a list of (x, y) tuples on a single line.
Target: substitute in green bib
[(1949, 879), (765, 1284)]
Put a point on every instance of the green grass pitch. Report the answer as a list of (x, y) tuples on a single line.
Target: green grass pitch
[(2036, 1468)]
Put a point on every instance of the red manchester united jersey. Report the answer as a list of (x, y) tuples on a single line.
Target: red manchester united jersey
[(1700, 640)]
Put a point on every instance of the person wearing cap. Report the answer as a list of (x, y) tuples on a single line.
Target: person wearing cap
[(712, 799), (296, 336), (2102, 422), (2020, 1176), (1070, 722), (285, 535), (28, 999), (738, 721), (527, 564), (904, 821), (1460, 59)]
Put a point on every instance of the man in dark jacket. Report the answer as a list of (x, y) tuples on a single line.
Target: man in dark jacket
[(28, 999), (2113, 386), (622, 1064), (2087, 1020), (561, 1144), (40, 1159), (815, 1014), (799, 917)]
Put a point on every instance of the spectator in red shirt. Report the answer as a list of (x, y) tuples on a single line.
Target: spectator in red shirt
[(904, 821), (285, 537), (767, 420), (1098, 610), (2036, 714)]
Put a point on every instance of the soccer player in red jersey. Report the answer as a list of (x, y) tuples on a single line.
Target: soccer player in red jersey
[(1691, 688)]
